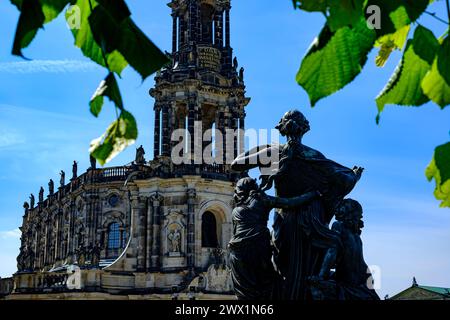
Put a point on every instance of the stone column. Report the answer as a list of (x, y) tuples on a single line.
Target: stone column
[(174, 33), (218, 37), (71, 235), (193, 21), (157, 131), (191, 125), (191, 201), (182, 30), (234, 126), (58, 240), (46, 242), (227, 28), (156, 200), (139, 211), (220, 141), (165, 131), (242, 132), (149, 238)]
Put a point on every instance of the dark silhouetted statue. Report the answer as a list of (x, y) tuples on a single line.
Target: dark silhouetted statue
[(140, 153), (301, 235), (250, 258), (74, 170), (62, 179), (51, 187), (32, 201), (41, 194), (93, 162), (352, 279)]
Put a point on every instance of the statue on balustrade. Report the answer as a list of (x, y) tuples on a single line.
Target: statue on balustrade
[(140, 152), (51, 187), (235, 63), (74, 170), (41, 195), (93, 162), (250, 254), (26, 207), (352, 279), (301, 235), (241, 75), (62, 182), (32, 201)]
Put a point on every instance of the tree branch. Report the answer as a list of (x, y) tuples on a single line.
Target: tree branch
[(433, 14), (448, 10)]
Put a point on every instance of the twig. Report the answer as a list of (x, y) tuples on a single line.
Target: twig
[(433, 14), (448, 10)]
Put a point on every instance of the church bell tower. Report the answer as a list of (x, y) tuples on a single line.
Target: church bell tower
[(202, 88)]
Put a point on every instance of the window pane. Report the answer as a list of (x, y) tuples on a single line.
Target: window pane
[(113, 236)]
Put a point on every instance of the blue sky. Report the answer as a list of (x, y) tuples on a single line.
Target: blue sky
[(45, 124)]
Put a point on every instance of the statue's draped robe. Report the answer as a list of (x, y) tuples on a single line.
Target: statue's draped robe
[(302, 236), (250, 253)]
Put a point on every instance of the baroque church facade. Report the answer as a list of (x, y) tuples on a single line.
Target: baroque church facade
[(151, 227)]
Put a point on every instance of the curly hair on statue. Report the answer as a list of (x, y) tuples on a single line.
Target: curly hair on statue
[(245, 188), (293, 124)]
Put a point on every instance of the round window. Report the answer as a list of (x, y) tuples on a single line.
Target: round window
[(113, 200)]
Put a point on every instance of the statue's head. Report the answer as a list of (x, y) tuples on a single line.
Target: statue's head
[(244, 187), (293, 124), (350, 212)]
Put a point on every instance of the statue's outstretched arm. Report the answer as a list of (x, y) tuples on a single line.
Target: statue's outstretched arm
[(287, 203), (329, 263), (257, 157)]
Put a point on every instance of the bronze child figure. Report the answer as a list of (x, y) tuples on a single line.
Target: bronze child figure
[(352, 279), (252, 271)]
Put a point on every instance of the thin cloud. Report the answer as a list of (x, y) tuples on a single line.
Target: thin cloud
[(8, 139), (47, 66), (11, 234)]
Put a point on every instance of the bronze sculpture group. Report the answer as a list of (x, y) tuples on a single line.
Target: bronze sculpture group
[(294, 262)]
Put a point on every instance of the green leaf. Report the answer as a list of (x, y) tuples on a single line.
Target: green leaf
[(30, 21), (85, 41), (404, 87), (107, 88), (120, 33), (435, 87), (339, 13), (395, 14), (443, 60), (344, 13), (439, 170), (334, 60), (33, 15), (389, 43), (311, 5), (119, 135)]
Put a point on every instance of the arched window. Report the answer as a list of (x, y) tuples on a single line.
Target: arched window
[(113, 240), (209, 231)]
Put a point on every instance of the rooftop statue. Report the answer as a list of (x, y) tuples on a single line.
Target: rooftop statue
[(93, 162), (62, 179), (140, 152), (51, 187), (41, 194), (74, 170), (32, 201)]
